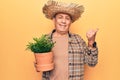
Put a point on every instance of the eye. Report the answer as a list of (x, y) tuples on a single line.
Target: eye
[(68, 18), (59, 17)]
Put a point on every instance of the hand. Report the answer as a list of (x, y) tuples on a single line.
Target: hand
[(35, 66), (91, 36)]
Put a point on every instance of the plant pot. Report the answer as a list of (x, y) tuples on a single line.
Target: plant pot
[(44, 61)]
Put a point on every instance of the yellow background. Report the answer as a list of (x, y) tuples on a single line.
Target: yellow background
[(21, 20)]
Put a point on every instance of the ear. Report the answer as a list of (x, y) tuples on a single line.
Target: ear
[(53, 20)]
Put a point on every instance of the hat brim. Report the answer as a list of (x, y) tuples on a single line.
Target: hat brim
[(52, 8)]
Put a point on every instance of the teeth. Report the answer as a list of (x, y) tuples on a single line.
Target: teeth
[(62, 25)]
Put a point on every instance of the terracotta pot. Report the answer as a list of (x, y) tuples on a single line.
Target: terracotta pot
[(44, 61)]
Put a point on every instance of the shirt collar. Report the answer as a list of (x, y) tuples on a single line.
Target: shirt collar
[(51, 35)]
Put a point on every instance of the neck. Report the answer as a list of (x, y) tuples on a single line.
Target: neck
[(60, 34)]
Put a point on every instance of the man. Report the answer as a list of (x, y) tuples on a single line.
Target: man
[(70, 50)]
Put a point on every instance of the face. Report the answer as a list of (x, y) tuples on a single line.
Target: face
[(62, 23)]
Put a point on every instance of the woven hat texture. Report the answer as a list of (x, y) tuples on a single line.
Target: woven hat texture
[(53, 7)]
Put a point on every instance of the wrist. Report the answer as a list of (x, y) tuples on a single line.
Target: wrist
[(92, 44)]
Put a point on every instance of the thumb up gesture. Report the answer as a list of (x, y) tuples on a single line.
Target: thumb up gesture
[(91, 34)]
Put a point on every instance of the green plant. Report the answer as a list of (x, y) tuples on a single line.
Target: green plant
[(41, 45)]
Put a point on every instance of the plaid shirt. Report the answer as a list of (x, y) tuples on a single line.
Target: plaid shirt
[(78, 55)]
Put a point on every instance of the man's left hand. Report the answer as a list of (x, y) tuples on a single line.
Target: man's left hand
[(91, 36)]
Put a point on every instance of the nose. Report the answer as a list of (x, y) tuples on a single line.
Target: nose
[(64, 20)]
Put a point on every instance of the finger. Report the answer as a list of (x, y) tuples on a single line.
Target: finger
[(96, 30)]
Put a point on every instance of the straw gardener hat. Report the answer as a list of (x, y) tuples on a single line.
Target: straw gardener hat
[(52, 8)]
